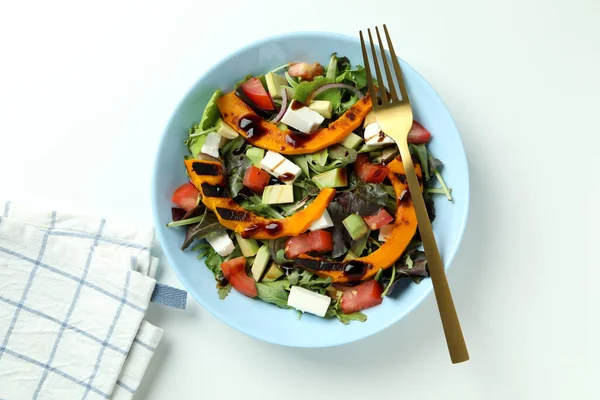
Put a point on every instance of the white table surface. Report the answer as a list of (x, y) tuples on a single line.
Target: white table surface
[(85, 91)]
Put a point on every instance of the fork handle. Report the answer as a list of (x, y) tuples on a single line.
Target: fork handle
[(452, 330)]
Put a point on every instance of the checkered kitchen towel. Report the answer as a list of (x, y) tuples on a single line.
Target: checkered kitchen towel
[(73, 294)]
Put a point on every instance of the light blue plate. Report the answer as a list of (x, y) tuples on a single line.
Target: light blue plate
[(265, 321)]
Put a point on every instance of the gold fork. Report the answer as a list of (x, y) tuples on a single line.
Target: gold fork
[(395, 118)]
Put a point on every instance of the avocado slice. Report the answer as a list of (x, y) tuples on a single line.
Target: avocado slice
[(273, 273), (278, 194), (225, 130), (352, 141), (355, 226), (387, 155), (274, 83), (249, 247), (323, 107), (255, 154), (260, 262), (337, 177)]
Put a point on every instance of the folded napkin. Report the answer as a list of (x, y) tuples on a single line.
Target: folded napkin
[(73, 295)]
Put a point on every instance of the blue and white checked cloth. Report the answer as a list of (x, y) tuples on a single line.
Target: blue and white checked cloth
[(73, 295)]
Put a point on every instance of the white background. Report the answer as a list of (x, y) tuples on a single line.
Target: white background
[(86, 89)]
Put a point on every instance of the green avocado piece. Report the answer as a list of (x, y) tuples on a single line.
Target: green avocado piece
[(387, 155), (273, 273), (260, 262), (337, 177), (352, 141), (249, 247), (278, 194), (255, 154), (355, 226), (225, 130), (274, 83)]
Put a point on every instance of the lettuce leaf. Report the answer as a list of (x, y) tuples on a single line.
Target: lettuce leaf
[(236, 169), (213, 261), (254, 203), (339, 234), (208, 121), (211, 112), (207, 225), (356, 77), (308, 280), (421, 151), (366, 199), (304, 89), (334, 311), (274, 292)]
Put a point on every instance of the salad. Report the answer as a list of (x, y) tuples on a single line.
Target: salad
[(300, 197)]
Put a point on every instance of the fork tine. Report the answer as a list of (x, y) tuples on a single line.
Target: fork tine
[(372, 91), (382, 91), (396, 67), (391, 85)]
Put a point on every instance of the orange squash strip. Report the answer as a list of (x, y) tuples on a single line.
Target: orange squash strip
[(209, 179), (268, 136)]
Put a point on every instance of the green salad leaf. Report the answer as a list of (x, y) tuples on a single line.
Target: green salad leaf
[(211, 112), (212, 259), (233, 145), (332, 68), (236, 169), (309, 188), (345, 105), (308, 280), (347, 318), (366, 199), (195, 144), (302, 162), (336, 156), (254, 203), (303, 90), (358, 246), (291, 209), (274, 292), (208, 224), (356, 77), (337, 214), (334, 311), (334, 96), (197, 134), (277, 251), (223, 291), (421, 151)]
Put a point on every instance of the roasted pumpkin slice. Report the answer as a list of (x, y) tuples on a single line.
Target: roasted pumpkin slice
[(366, 267), (209, 179), (266, 135)]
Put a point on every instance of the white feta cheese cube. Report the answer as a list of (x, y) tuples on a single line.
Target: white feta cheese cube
[(302, 118), (324, 221), (308, 301), (280, 167), (385, 232), (374, 136), (221, 242), (212, 144)]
